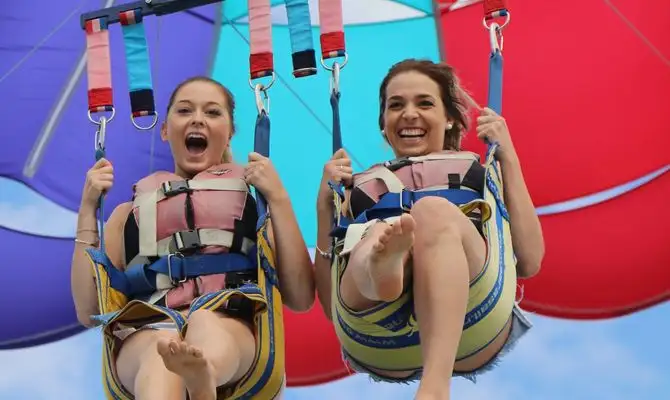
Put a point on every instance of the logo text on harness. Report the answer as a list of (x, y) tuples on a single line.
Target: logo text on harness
[(219, 171)]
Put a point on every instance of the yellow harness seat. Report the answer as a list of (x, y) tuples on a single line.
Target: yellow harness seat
[(120, 307), (386, 337)]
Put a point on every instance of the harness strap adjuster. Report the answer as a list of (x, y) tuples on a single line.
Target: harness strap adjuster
[(173, 188), (186, 240), (406, 206), (169, 269)]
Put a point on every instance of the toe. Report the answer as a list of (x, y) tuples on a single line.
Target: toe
[(195, 352), (184, 347), (163, 347), (174, 347), (397, 228)]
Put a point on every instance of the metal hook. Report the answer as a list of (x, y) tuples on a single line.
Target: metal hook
[(269, 85), (335, 78), (111, 117), (260, 104), (507, 16), (101, 133), (495, 34), (145, 128), (346, 59)]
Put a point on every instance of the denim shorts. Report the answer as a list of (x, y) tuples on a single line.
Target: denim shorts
[(520, 326)]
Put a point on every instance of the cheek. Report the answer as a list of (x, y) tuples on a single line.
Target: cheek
[(389, 122)]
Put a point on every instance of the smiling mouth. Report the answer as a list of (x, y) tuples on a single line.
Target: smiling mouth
[(411, 133), (196, 143)]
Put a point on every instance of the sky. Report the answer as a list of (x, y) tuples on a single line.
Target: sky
[(618, 359)]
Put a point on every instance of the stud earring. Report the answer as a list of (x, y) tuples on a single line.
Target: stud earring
[(449, 125)]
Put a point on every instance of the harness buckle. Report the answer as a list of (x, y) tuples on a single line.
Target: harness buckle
[(403, 207), (398, 163), (186, 240), (173, 188), (169, 265)]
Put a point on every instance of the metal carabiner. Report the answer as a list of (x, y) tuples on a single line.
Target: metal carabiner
[(101, 133), (335, 78), (496, 39), (260, 104)]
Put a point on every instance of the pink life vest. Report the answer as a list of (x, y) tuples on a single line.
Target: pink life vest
[(211, 213), (444, 170)]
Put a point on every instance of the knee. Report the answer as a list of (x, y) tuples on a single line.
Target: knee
[(201, 319), (437, 217)]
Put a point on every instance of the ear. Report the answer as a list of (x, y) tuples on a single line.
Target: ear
[(164, 136)]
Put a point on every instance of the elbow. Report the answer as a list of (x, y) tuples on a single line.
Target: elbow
[(301, 305), (527, 270), (85, 313), (530, 266), (85, 320)]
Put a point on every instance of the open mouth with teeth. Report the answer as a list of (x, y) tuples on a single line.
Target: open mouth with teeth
[(411, 133), (196, 143)]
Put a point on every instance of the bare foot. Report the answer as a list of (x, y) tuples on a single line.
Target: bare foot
[(188, 362), (386, 259)]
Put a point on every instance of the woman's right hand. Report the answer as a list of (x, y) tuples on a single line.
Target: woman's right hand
[(99, 179), (337, 169)]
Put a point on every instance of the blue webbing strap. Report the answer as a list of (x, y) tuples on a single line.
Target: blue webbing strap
[(302, 42), (138, 66), (262, 147), (496, 61), (100, 153)]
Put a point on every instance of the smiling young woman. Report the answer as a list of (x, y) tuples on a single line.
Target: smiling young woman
[(423, 277)]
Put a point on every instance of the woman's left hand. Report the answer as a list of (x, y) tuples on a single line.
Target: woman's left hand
[(262, 175), (492, 127)]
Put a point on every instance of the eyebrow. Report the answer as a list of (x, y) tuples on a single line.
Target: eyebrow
[(190, 102), (420, 96)]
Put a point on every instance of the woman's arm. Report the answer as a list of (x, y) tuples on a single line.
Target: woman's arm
[(337, 169), (84, 292), (294, 266), (322, 272), (527, 237)]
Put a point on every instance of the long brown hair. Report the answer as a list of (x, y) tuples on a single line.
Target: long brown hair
[(230, 101), (450, 92)]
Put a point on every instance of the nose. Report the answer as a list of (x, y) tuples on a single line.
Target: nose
[(197, 118), (410, 112)]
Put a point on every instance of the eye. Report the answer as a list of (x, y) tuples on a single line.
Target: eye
[(426, 103), (183, 110), (214, 112), (394, 105)]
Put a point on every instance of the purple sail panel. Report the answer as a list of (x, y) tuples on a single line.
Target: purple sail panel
[(36, 300), (43, 107), (180, 45)]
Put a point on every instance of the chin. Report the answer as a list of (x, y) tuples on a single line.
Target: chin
[(413, 152), (194, 167)]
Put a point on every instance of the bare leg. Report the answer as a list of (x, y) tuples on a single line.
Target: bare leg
[(448, 251), (141, 370), (217, 350), (376, 266)]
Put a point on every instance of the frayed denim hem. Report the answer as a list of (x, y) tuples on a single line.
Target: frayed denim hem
[(520, 326)]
